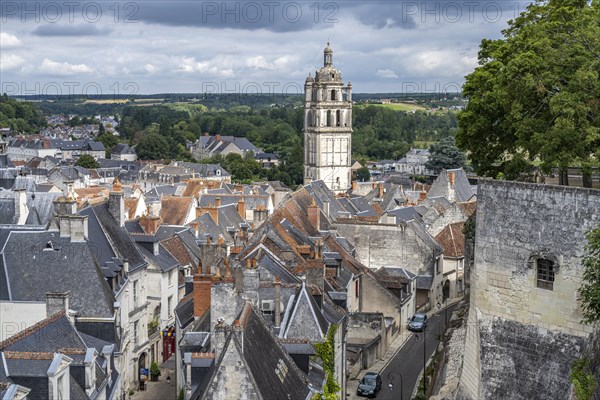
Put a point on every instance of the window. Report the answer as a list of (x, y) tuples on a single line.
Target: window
[(545, 274), (332, 93), (59, 387), (135, 333), (170, 278), (135, 294), (356, 288), (169, 301)]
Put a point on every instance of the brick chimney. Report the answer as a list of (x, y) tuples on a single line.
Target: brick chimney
[(422, 195), (241, 208), (314, 214), (218, 202), (202, 286), (381, 191), (150, 224), (194, 226), (451, 178), (374, 185), (354, 186)]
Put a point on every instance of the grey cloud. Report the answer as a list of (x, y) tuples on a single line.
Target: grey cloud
[(71, 30)]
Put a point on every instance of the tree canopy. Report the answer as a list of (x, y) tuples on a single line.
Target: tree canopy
[(87, 161), (445, 155), (152, 147), (589, 292), (535, 98), (20, 116)]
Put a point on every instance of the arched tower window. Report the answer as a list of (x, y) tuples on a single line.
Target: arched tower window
[(329, 118), (338, 118), (332, 94)]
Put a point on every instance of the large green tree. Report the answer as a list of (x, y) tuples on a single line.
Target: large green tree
[(445, 155), (87, 161), (535, 98), (589, 292), (152, 146)]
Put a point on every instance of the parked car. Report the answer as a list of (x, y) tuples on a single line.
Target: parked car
[(369, 385), (418, 322)]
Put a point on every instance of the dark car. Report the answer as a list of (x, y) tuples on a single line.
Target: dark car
[(418, 322), (369, 385)]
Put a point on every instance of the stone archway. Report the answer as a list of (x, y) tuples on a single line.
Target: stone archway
[(141, 370)]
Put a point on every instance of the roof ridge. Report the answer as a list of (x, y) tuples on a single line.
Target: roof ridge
[(33, 328)]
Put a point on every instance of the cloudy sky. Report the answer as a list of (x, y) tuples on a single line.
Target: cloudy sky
[(241, 47)]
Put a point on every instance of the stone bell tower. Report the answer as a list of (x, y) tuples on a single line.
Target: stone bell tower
[(327, 127)]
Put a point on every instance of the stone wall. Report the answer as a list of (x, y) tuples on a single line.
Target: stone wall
[(516, 222), (382, 245), (521, 339)]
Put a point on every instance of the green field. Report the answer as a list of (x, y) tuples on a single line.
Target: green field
[(396, 106)]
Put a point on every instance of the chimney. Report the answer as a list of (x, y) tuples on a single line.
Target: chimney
[(202, 285), (354, 186), (189, 285), (314, 214), (214, 213), (218, 202), (156, 248), (217, 137), (277, 302), (125, 267), (251, 283), (451, 189), (64, 226), (57, 302), (381, 191), (194, 226), (78, 227), (116, 205), (374, 185), (422, 195), (65, 206), (241, 208), (150, 224), (21, 209), (451, 178)]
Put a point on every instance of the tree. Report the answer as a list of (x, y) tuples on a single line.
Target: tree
[(87, 161), (445, 155), (152, 147), (589, 292), (109, 141), (363, 174), (535, 96)]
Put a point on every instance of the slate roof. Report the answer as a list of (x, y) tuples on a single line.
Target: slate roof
[(263, 355), (208, 227), (462, 187), (297, 320), (452, 240), (185, 311), (164, 260), (32, 269), (424, 282), (405, 214), (122, 244)]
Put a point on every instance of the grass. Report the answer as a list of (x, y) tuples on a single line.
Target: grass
[(396, 106)]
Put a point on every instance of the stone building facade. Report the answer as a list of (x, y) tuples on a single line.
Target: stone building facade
[(525, 320), (328, 127)]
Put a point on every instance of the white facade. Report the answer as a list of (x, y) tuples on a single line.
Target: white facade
[(328, 127)]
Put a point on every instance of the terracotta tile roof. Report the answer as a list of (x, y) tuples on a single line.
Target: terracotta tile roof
[(28, 355), (174, 210), (451, 238), (178, 250), (131, 204), (468, 208)]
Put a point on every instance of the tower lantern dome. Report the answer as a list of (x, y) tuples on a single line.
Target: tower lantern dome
[(328, 56)]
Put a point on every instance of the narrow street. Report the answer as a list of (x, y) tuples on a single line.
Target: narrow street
[(407, 365)]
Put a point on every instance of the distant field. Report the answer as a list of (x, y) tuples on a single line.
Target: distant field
[(423, 144), (106, 101), (397, 106)]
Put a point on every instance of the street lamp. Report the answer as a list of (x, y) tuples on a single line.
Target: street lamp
[(424, 361), (439, 305), (391, 379)]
